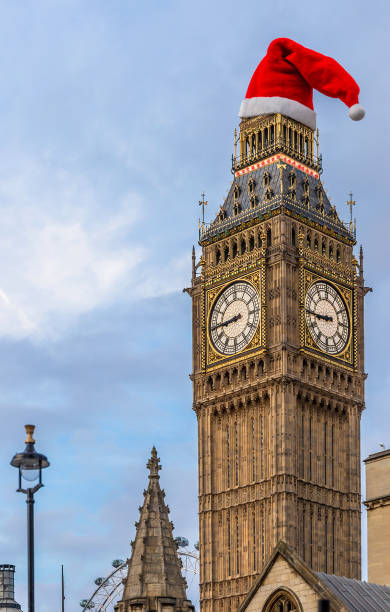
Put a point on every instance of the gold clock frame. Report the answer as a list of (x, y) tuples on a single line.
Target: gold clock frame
[(348, 355), (211, 358)]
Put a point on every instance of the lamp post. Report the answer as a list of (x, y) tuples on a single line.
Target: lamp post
[(30, 465)]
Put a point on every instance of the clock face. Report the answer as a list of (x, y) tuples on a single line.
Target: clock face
[(234, 318), (327, 318)]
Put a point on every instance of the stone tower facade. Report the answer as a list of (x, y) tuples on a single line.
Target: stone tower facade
[(278, 368), (154, 581), (378, 516)]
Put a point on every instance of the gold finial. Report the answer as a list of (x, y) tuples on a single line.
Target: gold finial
[(235, 146), (351, 203), (203, 203), (318, 144), (29, 431)]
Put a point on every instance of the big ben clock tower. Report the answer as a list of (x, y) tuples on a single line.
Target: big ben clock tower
[(278, 367)]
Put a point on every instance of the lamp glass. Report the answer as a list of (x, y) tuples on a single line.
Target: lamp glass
[(30, 475)]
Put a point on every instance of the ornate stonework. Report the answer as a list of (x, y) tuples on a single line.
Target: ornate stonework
[(154, 580), (278, 421)]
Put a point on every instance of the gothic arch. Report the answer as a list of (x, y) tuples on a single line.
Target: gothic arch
[(282, 600)]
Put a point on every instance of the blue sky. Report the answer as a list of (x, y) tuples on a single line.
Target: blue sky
[(114, 117)]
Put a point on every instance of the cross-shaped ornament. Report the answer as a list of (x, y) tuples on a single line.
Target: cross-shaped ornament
[(203, 203), (351, 203)]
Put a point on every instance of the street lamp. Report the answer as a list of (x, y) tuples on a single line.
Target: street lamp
[(30, 465)]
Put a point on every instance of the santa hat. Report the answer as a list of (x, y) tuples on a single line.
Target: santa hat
[(283, 83)]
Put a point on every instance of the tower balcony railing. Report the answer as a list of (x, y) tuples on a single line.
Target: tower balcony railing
[(279, 145)]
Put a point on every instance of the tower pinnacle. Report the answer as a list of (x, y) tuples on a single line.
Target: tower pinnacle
[(154, 580), (153, 464)]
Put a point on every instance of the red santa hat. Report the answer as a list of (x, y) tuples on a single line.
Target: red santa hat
[(283, 82)]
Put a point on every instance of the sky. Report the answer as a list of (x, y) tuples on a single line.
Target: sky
[(114, 117)]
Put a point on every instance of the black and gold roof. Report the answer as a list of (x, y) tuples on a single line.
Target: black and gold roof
[(273, 179)]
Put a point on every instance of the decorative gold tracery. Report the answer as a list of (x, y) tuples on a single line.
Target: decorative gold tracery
[(282, 601)]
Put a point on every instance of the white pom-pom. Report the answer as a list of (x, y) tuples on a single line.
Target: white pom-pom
[(356, 112)]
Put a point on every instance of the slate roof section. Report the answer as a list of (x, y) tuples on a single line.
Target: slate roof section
[(343, 593), (327, 216), (357, 595)]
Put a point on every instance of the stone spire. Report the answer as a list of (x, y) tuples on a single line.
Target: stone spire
[(154, 581)]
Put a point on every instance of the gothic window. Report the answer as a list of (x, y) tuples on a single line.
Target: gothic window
[(319, 193), (229, 546), (266, 178), (253, 145), (237, 546), (272, 134), (217, 256), (269, 237), (251, 186), (268, 193), (228, 457), (221, 214), (243, 246), (226, 253), (218, 381), (281, 601), (325, 453), (306, 147), (236, 209), (253, 450), (306, 186), (323, 248), (292, 179), (234, 249), (251, 243), (236, 192), (331, 250), (259, 241), (260, 137), (236, 452), (293, 238), (253, 201), (254, 541), (308, 239), (292, 193), (306, 201), (316, 244)]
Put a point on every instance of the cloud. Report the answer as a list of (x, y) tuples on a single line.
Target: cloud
[(64, 252)]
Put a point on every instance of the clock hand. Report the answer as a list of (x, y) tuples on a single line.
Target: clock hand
[(224, 323), (320, 316)]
